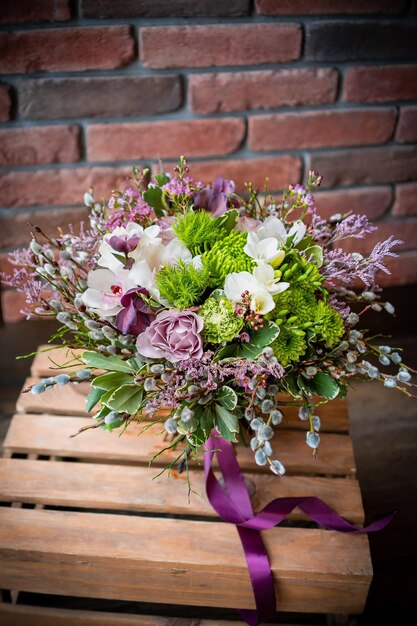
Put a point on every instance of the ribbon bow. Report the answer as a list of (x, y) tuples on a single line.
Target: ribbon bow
[(233, 504)]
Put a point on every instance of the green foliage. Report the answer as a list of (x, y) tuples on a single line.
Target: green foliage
[(227, 256), (322, 385), (259, 339), (111, 380), (153, 196), (289, 346), (92, 398), (198, 230), (182, 284), (227, 397), (125, 399), (227, 423), (220, 321), (110, 363)]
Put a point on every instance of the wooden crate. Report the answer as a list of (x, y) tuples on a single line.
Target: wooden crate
[(85, 517)]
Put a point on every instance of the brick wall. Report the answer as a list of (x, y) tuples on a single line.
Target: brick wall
[(246, 89)]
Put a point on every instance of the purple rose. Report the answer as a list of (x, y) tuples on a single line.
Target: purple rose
[(172, 336), (135, 315)]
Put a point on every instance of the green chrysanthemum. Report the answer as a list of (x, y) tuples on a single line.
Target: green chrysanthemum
[(289, 346), (227, 256), (299, 302), (220, 321), (198, 230), (328, 323), (182, 285), (301, 273)]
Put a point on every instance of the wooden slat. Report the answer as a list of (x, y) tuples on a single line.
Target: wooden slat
[(25, 615), (49, 434), (70, 400), (47, 362), (135, 489), (188, 562)]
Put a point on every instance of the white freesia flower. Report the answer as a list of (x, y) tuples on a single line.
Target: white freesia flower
[(299, 230), (265, 276), (104, 290), (261, 250), (261, 285), (273, 227)]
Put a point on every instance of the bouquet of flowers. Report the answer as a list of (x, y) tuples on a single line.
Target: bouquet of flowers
[(200, 309)]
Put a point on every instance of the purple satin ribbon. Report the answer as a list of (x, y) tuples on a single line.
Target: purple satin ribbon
[(233, 504)]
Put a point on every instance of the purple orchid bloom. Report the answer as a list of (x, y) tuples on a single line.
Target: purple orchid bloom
[(136, 315), (124, 244), (218, 199)]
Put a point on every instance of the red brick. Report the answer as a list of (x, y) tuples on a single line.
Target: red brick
[(366, 165), (57, 98), (15, 228), (407, 125), (327, 7), (403, 229), (405, 199), (5, 265), (280, 170), (403, 270), (44, 144), (371, 201), (219, 44), (13, 12), (237, 91), (59, 187), (380, 84), (163, 8), (153, 140), (12, 303), (66, 49), (5, 102), (317, 129), (356, 39)]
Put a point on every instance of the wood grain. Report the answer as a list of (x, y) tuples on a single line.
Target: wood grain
[(25, 615), (135, 489), (194, 563), (50, 434)]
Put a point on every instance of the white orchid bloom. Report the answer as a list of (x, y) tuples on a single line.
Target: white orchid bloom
[(175, 251), (147, 237), (144, 276), (105, 289), (265, 276)]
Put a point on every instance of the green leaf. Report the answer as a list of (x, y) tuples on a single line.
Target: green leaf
[(289, 382), (226, 423), (232, 350), (126, 399), (161, 179), (315, 255), (153, 196), (227, 397), (92, 399), (111, 363), (217, 294), (206, 419), (112, 380), (113, 425), (228, 220), (264, 336), (251, 352), (323, 385)]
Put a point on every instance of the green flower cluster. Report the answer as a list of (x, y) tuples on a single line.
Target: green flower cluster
[(198, 230), (182, 284), (220, 321), (227, 256), (302, 312)]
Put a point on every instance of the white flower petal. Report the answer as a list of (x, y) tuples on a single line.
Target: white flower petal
[(262, 302)]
